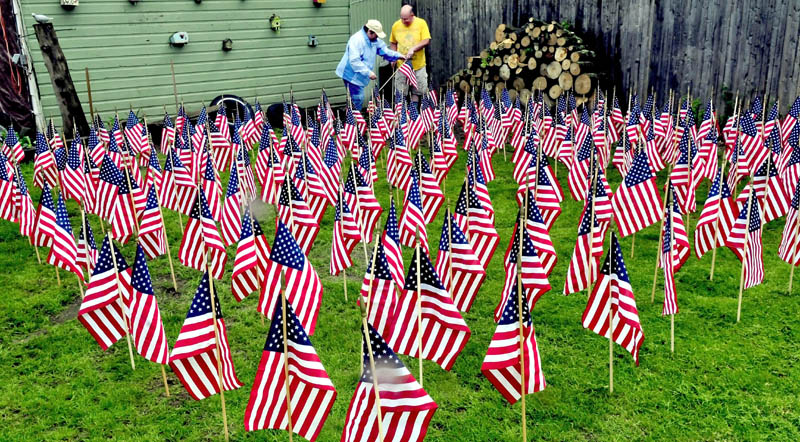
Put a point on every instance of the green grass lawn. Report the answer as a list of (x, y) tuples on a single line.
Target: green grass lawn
[(725, 380)]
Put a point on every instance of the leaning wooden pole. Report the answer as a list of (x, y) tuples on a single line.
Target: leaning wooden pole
[(219, 349)]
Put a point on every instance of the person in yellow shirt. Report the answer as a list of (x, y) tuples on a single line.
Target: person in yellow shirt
[(409, 36)]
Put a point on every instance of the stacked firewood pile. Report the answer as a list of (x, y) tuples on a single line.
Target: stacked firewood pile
[(537, 57)]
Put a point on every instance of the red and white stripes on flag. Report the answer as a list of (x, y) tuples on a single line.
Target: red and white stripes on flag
[(201, 241), (502, 364), (614, 283), (457, 265), (64, 251), (146, 327), (405, 408), (408, 71), (102, 311), (203, 340), (152, 235), (346, 235), (311, 393), (745, 241), (247, 265), (585, 260), (789, 249)]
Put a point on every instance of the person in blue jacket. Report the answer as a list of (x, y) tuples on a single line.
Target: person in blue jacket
[(356, 65)]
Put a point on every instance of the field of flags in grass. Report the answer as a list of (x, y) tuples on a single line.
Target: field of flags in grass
[(333, 162)]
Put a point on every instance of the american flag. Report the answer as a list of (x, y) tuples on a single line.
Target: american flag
[(457, 265), (133, 132), (231, 211), (201, 241), (178, 190), (26, 213), (198, 131), (477, 224), (405, 408), (379, 291), (11, 146), (432, 196), (637, 203), (348, 134), (294, 212), (674, 250), (346, 235), (64, 251), (398, 163), (502, 364), (54, 138), (685, 176), (102, 132), (45, 219), (583, 128), (167, 134), (771, 191), (246, 266), (311, 393), (790, 240), (180, 120), (391, 242), (614, 282), (268, 167), (408, 72), (708, 224), (362, 202), (147, 329), (303, 286), (548, 192), (249, 128), (102, 311), (539, 234), (477, 180), (44, 170), (416, 127), (789, 163), (413, 218), (366, 162), (152, 235), (745, 241), (534, 277), (443, 332), (298, 133), (73, 179), (248, 181), (790, 121), (752, 143), (221, 148), (331, 169), (123, 215), (8, 209), (116, 134), (87, 248), (578, 177), (115, 152), (452, 107), (202, 342), (585, 260), (221, 121)]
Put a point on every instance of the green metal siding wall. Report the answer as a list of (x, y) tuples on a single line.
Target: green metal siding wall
[(385, 11), (126, 50)]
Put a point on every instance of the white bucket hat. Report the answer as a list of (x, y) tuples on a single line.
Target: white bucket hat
[(376, 27)]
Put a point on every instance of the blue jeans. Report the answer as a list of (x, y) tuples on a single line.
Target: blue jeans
[(356, 94)]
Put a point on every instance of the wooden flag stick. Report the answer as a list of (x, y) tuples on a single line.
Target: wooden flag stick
[(664, 214), (158, 201), (610, 317), (366, 304), (121, 300), (419, 303), (592, 190), (521, 317), (219, 350), (287, 390), (671, 248), (376, 392), (448, 218), (358, 208), (174, 85)]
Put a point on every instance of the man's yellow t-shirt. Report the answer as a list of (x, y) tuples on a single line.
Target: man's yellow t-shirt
[(407, 37)]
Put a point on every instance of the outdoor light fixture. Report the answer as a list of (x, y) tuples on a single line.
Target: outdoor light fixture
[(227, 44), (275, 23), (179, 39), (134, 2), (312, 41), (69, 5)]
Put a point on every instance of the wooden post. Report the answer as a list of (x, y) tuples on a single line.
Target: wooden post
[(121, 300), (68, 102), (419, 303), (174, 86), (219, 350)]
